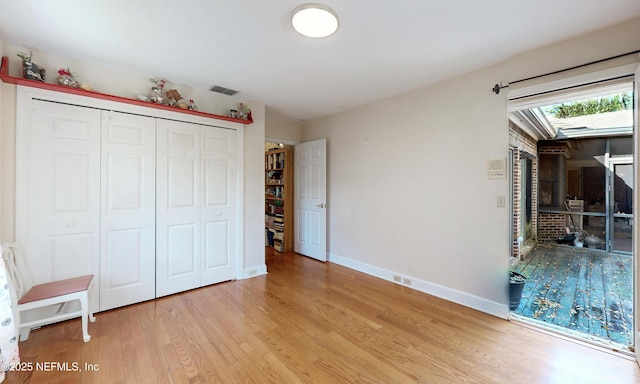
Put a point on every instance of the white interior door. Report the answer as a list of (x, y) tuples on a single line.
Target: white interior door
[(59, 154), (177, 207), (127, 262), (219, 212), (310, 205)]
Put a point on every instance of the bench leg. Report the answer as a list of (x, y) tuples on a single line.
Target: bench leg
[(84, 304), (23, 333)]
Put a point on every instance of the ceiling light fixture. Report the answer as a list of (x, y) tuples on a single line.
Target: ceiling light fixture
[(314, 20)]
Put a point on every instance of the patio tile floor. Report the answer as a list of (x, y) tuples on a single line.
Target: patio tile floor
[(580, 290)]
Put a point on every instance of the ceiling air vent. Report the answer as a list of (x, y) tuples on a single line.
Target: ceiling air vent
[(223, 90)]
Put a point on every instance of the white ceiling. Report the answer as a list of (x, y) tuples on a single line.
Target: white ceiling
[(382, 48)]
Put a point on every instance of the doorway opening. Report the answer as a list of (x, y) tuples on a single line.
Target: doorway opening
[(296, 198), (278, 198), (572, 199)]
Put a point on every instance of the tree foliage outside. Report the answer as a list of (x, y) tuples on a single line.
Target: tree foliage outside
[(603, 104)]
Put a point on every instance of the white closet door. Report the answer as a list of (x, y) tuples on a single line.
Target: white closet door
[(219, 213), (177, 207), (127, 263), (61, 165)]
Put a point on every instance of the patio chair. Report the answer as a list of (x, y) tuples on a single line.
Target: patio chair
[(33, 307)]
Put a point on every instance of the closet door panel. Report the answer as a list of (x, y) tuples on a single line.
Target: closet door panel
[(181, 183), (181, 250), (178, 209), (60, 163), (216, 246), (219, 213), (68, 255), (127, 264), (63, 188)]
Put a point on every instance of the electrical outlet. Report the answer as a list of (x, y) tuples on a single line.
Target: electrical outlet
[(406, 281), (397, 279)]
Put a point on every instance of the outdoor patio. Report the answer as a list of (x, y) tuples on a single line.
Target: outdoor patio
[(585, 292)]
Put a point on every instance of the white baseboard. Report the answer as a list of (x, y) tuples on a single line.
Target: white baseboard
[(259, 270), (463, 298)]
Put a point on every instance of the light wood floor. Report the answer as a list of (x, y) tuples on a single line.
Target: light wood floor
[(309, 322)]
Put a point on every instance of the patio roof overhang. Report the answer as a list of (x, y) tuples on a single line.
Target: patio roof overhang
[(533, 122), (542, 126)]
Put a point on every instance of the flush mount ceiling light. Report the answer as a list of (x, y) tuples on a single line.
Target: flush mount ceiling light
[(314, 20)]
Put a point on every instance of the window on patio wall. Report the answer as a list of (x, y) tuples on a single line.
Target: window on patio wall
[(548, 183)]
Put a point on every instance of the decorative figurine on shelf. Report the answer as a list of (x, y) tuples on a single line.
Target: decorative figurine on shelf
[(65, 77), (156, 91), (85, 86), (173, 97), (30, 70), (244, 112), (192, 106)]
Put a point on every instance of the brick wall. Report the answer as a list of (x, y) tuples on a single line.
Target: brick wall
[(534, 197), (517, 203), (554, 148), (551, 226), (522, 145), (522, 141)]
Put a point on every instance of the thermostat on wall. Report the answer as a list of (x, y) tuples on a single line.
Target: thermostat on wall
[(497, 168)]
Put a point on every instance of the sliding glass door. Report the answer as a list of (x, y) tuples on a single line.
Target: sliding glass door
[(620, 231)]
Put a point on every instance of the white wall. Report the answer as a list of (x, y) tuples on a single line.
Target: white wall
[(254, 258), (114, 81), (281, 127), (126, 84), (408, 191), (7, 162)]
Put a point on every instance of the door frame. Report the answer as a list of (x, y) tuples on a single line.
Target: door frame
[(611, 214), (636, 200), (526, 96)]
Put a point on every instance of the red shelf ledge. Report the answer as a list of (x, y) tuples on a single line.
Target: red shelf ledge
[(4, 76)]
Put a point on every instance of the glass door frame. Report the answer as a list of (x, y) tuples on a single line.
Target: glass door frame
[(612, 215), (526, 198)]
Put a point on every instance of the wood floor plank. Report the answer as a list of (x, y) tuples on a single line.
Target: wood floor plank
[(566, 313), (556, 312), (583, 295), (624, 284), (544, 277), (312, 322), (535, 273), (597, 318), (615, 321)]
